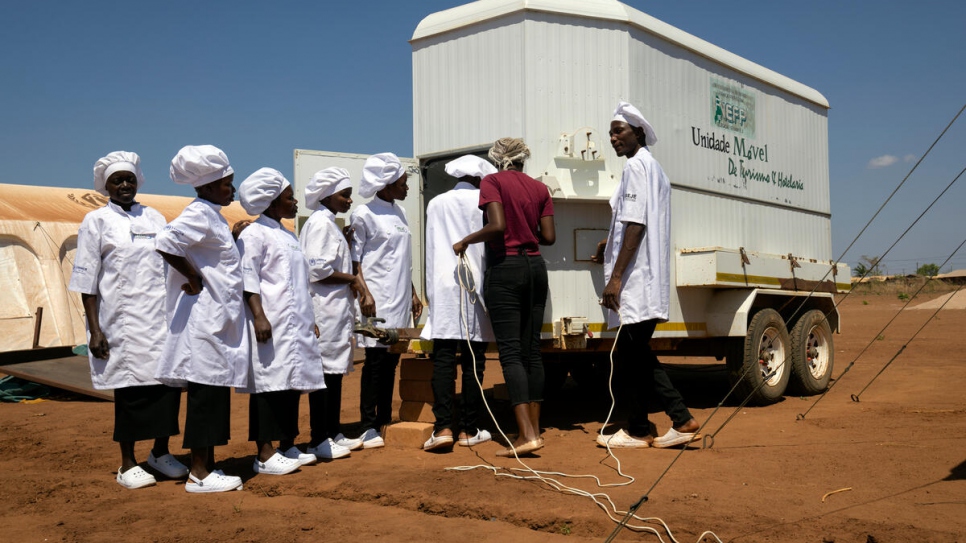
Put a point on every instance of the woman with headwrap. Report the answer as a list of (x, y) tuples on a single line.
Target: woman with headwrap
[(382, 256), (207, 348), (333, 288), (121, 281), (285, 360), (518, 218)]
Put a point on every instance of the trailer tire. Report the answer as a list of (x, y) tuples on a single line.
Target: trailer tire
[(765, 349), (813, 353)]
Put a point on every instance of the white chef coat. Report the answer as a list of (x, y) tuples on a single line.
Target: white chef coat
[(116, 261), (643, 197), (327, 252), (382, 244), (274, 267), (450, 217), (207, 339)]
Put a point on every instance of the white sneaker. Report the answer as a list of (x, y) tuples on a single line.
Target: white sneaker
[(214, 482), (438, 442), (276, 465), (168, 466), (371, 439), (135, 477), (482, 436), (295, 454), (330, 450), (351, 444), (621, 440)]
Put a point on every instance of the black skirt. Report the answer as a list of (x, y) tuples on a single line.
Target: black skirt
[(207, 422), (273, 416), (146, 412)]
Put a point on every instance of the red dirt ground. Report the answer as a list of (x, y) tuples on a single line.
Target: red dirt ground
[(900, 452)]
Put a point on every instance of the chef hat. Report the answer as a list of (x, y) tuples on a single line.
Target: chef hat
[(631, 115), (198, 165), (118, 161), (325, 183), (469, 166), (258, 191), (379, 171)]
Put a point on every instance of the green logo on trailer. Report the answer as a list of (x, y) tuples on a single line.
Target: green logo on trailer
[(732, 108)]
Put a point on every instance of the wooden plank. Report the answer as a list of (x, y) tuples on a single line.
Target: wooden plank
[(71, 373)]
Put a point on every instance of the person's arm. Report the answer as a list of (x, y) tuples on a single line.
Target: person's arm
[(194, 285), (633, 235), (493, 230), (367, 304), (548, 232), (263, 328), (98, 343), (417, 305)]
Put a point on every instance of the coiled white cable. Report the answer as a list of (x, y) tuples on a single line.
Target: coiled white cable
[(601, 499)]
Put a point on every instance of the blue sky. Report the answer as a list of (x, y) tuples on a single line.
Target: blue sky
[(259, 79)]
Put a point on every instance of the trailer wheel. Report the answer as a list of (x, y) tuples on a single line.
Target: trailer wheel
[(812, 353), (764, 352)]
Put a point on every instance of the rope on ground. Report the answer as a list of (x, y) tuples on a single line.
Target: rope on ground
[(549, 478)]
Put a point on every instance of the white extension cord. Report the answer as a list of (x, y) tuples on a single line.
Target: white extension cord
[(601, 499)]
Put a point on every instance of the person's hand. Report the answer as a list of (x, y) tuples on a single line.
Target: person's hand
[(367, 305), (357, 287), (598, 257), (460, 247), (263, 330), (417, 307), (193, 286), (347, 232), (98, 346), (612, 295)]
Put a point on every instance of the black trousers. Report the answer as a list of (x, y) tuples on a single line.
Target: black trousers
[(515, 289), (208, 417), (644, 377), (444, 381), (273, 416), (146, 412), (378, 383), (325, 408)]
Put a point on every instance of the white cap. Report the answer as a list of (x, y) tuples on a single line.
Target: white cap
[(379, 171), (118, 161), (198, 165), (629, 114), (325, 183), (469, 166), (260, 189)]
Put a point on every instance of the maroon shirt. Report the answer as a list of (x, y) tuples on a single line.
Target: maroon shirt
[(525, 201)]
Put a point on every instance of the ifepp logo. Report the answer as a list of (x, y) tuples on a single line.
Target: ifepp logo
[(732, 108)]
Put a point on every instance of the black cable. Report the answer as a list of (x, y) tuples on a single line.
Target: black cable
[(801, 416)]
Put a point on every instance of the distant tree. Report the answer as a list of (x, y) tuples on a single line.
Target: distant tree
[(929, 270), (860, 270), (870, 265)]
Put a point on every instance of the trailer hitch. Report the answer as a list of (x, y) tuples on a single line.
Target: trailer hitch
[(367, 327)]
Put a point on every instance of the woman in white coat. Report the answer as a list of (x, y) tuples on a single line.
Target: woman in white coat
[(457, 320), (333, 288), (285, 360), (382, 255), (207, 348), (121, 281)]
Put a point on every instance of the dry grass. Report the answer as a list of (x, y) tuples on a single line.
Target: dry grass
[(905, 285)]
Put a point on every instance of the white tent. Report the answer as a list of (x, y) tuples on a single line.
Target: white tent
[(38, 238)]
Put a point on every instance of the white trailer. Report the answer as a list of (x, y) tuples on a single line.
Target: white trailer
[(745, 148)]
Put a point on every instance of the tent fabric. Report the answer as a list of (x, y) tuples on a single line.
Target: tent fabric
[(38, 238)]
